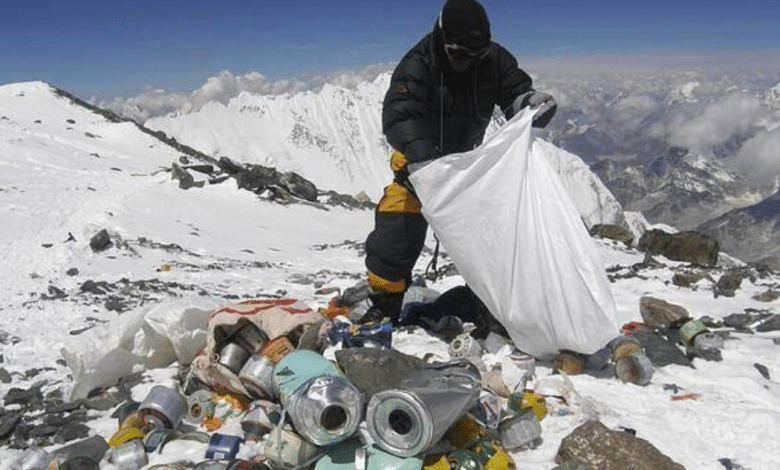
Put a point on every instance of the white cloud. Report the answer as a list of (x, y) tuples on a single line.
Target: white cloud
[(720, 121), (760, 156), (226, 85)]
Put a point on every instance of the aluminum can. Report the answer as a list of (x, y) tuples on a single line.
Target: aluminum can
[(233, 357), (250, 337), (625, 346), (277, 349), (521, 431), (199, 405), (409, 419), (257, 376), (323, 405), (465, 345), (163, 407), (129, 456)]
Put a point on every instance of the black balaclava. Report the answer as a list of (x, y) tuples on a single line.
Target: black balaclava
[(464, 22)]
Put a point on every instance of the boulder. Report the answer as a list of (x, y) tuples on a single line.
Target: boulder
[(690, 247), (612, 232), (595, 445)]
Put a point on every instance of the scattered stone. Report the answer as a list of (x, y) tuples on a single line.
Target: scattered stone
[(612, 232), (730, 464), (116, 304), (70, 432), (738, 321), (657, 313), (18, 396), (660, 350), (728, 284), (688, 279), (186, 180), (763, 370), (708, 354), (691, 247), (596, 445), (776, 341), (5, 377), (327, 291), (92, 287), (768, 296), (710, 322), (100, 241), (8, 422), (72, 272), (55, 293), (770, 324)]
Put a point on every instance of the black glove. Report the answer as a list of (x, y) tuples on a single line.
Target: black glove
[(543, 102)]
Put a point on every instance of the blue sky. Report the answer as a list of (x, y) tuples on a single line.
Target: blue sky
[(106, 49)]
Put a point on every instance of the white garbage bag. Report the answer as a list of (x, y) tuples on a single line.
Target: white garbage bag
[(147, 338), (515, 236)]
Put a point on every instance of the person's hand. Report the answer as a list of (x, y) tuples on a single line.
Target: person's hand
[(544, 103)]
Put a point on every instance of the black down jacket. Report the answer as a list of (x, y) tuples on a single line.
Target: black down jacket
[(430, 110)]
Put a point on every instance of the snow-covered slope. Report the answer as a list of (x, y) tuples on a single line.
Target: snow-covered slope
[(334, 138)]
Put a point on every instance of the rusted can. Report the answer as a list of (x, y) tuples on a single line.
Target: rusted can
[(636, 369), (276, 349)]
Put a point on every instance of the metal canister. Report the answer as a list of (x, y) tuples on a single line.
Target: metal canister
[(198, 406), (569, 362), (156, 439), (521, 431), (163, 408), (636, 369), (257, 376), (277, 349), (464, 432), (408, 420), (79, 463), (250, 337), (687, 331), (465, 345), (34, 458), (129, 456), (323, 404), (524, 361), (260, 419), (625, 346), (286, 450), (233, 357), (223, 447)]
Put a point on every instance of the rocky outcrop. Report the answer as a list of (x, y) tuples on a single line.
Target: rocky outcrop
[(691, 247)]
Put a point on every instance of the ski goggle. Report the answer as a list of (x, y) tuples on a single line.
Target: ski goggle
[(461, 53)]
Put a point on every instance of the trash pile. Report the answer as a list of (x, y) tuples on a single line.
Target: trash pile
[(262, 395)]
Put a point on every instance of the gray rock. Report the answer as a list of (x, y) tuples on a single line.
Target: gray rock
[(770, 324), (728, 284), (660, 314), (660, 350), (375, 370), (101, 241), (768, 296), (597, 446), (691, 247), (8, 422), (18, 396), (763, 370), (186, 181), (612, 232)]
